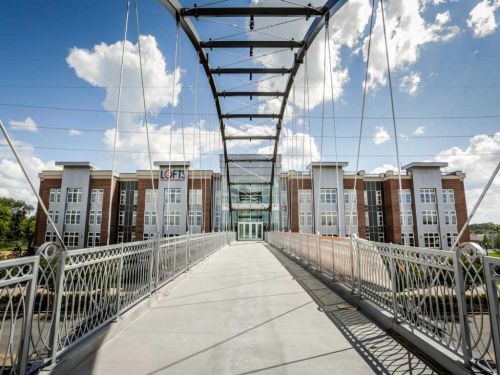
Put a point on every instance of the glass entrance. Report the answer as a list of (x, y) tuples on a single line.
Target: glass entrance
[(249, 231)]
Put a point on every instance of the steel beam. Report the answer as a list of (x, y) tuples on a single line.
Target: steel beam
[(251, 71), (249, 160), (252, 11), (251, 44), (250, 115), (249, 137), (251, 183), (250, 93)]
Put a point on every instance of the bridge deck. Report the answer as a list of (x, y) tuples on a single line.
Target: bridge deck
[(242, 312)]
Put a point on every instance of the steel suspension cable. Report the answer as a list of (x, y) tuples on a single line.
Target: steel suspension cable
[(393, 118), (309, 120), (340, 217), (146, 115), (321, 141), (117, 124), (168, 196), (194, 139), (365, 87)]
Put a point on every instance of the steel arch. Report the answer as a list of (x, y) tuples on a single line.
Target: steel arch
[(321, 17)]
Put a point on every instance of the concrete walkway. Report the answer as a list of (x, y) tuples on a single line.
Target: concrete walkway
[(239, 312)]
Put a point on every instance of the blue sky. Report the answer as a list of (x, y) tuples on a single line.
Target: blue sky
[(444, 57)]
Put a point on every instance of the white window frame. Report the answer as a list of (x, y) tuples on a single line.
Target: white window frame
[(430, 217), (172, 195), (450, 217), (328, 218), (350, 197), (136, 198), (448, 196), (195, 197), (121, 218), (378, 197), (432, 239), (451, 238), (305, 218), (54, 215), (74, 195), (96, 195), (71, 239), (50, 236), (119, 237), (123, 197), (172, 218), (305, 196), (55, 196), (380, 218), (195, 218), (354, 218), (72, 217), (134, 218), (406, 218), (408, 239), (427, 195), (328, 196), (405, 196)]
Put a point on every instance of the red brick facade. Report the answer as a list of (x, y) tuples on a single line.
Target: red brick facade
[(41, 218), (460, 204)]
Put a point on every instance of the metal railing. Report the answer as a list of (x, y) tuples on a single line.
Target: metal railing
[(450, 297), (52, 301)]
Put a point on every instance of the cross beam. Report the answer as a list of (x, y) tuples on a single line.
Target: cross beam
[(252, 11), (249, 137), (250, 93), (251, 44), (219, 71)]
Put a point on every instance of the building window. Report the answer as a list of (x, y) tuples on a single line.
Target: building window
[(195, 218), (448, 196), (195, 197), (150, 196), (74, 195), (305, 196), (55, 195), (350, 196), (380, 218), (121, 218), (172, 218), (328, 196), (305, 218), (96, 195), (145, 236), (450, 217), (173, 195), (50, 237), (406, 218), (429, 217), (120, 237), (351, 216), (72, 217), (428, 195), (367, 218), (136, 197), (134, 218), (451, 238), (71, 239), (378, 197), (407, 239), (94, 239), (405, 196), (132, 236), (431, 240), (381, 237), (95, 217), (149, 218), (54, 215), (328, 218), (365, 193), (123, 196)]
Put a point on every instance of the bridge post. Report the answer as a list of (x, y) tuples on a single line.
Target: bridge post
[(333, 260), (462, 305), (318, 250), (119, 283), (187, 251), (59, 286), (204, 246), (492, 274), (353, 283), (394, 285)]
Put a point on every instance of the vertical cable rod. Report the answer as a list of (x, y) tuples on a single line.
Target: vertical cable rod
[(117, 124), (363, 105), (393, 118), (146, 115)]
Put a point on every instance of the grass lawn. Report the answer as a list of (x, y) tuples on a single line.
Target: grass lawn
[(493, 254)]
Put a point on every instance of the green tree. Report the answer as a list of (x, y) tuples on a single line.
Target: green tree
[(486, 241), (497, 241), (17, 224)]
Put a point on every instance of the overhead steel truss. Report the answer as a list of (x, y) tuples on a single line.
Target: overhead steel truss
[(320, 15)]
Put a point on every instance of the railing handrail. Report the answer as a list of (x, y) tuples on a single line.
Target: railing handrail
[(439, 293)]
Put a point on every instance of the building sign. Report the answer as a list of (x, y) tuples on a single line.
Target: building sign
[(172, 174)]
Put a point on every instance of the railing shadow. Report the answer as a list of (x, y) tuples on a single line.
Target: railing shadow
[(383, 353)]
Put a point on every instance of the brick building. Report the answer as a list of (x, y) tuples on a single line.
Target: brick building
[(428, 212)]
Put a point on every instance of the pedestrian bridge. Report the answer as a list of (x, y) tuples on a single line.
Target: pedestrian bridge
[(296, 303)]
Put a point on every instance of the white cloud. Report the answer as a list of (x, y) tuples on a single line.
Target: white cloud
[(419, 131), (384, 168), (100, 67), (482, 18), (74, 132), (14, 184), (28, 125), (478, 160), (410, 83), (297, 150), (407, 33), (380, 135)]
